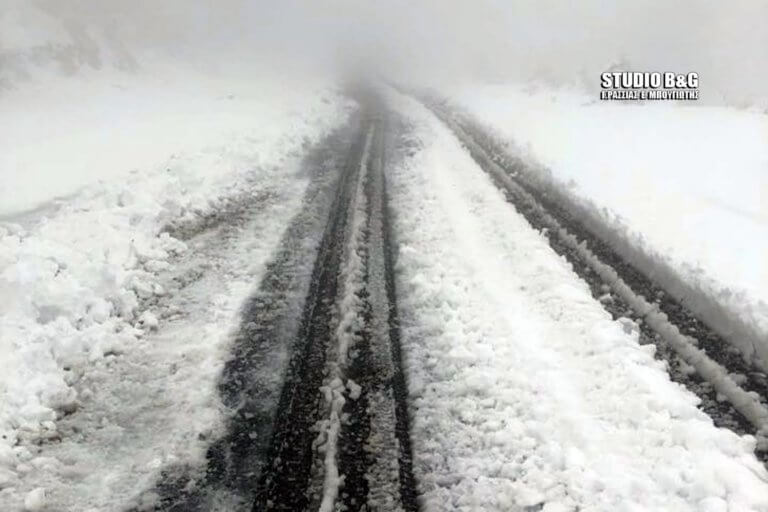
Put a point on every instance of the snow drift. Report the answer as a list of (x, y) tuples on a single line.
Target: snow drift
[(678, 191)]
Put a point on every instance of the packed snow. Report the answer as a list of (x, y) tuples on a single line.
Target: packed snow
[(684, 185), (526, 394)]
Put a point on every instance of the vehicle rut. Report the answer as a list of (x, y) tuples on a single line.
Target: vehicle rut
[(341, 437), (697, 357), (314, 391)]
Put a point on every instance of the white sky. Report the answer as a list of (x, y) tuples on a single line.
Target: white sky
[(482, 40)]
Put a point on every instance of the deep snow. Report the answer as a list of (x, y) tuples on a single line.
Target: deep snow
[(525, 392), (684, 185), (59, 137)]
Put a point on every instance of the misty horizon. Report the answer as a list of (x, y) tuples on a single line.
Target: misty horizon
[(428, 42)]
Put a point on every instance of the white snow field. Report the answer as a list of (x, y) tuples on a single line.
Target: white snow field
[(683, 185), (60, 135), (92, 167), (526, 394)]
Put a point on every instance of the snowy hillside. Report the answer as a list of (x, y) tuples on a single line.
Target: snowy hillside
[(38, 40)]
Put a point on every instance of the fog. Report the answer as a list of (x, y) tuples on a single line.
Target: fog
[(564, 43)]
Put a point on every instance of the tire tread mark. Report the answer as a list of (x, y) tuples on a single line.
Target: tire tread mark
[(408, 485), (284, 482)]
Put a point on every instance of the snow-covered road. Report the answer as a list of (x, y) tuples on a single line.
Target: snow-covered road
[(679, 190), (526, 394), (365, 319)]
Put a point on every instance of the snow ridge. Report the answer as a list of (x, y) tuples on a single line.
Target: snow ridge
[(352, 278), (383, 475)]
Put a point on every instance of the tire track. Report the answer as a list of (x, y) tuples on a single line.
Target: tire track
[(341, 438), (315, 395), (710, 371), (286, 478), (250, 384)]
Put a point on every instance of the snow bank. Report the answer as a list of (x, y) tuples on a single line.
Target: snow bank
[(682, 187), (526, 395), (346, 335), (77, 272)]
